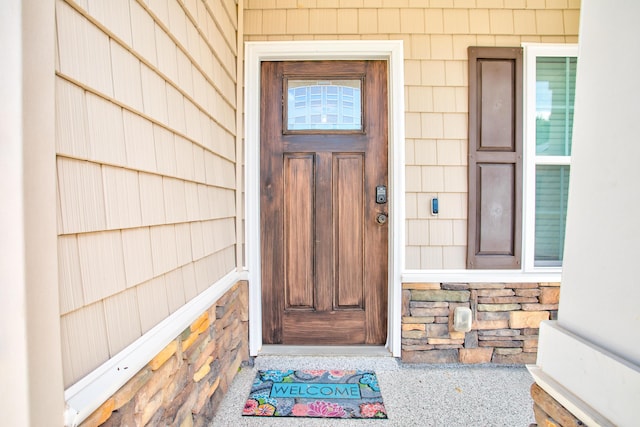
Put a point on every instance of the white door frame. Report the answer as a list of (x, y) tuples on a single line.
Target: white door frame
[(389, 50)]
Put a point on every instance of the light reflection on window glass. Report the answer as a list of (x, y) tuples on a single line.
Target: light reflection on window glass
[(324, 105), (555, 94)]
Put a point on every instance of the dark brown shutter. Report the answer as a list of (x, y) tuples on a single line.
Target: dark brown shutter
[(495, 157)]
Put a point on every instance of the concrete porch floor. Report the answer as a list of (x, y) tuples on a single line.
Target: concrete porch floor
[(414, 395)]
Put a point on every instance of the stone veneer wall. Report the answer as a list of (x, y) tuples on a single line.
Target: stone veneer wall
[(184, 384), (550, 413), (506, 320)]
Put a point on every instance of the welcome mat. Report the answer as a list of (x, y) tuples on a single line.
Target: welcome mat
[(315, 394)]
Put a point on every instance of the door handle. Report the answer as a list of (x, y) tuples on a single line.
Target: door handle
[(381, 218)]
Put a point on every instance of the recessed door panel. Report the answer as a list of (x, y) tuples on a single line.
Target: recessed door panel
[(298, 230), (348, 193)]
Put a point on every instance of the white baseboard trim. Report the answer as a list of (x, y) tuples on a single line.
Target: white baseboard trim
[(85, 396), (480, 276)]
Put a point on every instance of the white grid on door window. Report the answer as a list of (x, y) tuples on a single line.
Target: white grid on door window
[(324, 105)]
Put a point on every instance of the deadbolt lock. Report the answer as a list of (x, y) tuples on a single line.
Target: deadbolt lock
[(381, 194)]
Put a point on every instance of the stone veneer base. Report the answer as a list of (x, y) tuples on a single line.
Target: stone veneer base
[(183, 384), (550, 413), (506, 321)]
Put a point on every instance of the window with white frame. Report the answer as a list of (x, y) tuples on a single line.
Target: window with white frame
[(550, 77)]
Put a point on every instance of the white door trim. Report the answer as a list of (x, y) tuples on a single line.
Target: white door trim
[(389, 50)]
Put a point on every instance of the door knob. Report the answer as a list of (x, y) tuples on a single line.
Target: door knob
[(381, 218)]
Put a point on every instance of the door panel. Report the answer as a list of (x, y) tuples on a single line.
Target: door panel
[(325, 328), (348, 228), (324, 256), (298, 230)]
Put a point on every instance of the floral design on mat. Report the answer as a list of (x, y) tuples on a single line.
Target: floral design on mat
[(370, 380), (316, 394)]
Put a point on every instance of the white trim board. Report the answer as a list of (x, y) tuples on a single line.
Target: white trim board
[(390, 50), (85, 396), (480, 276)]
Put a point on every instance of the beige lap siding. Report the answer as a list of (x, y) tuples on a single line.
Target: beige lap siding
[(146, 166)]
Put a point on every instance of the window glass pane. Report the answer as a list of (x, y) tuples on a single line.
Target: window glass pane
[(555, 93), (552, 186), (324, 105)]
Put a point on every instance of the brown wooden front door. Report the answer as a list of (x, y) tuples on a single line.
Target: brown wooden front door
[(324, 242)]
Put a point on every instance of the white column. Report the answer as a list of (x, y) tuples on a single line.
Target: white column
[(31, 383), (589, 360)]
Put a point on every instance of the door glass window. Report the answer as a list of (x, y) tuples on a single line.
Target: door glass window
[(324, 105)]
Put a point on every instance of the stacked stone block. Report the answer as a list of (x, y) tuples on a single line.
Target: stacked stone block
[(183, 384), (506, 321), (549, 412)]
